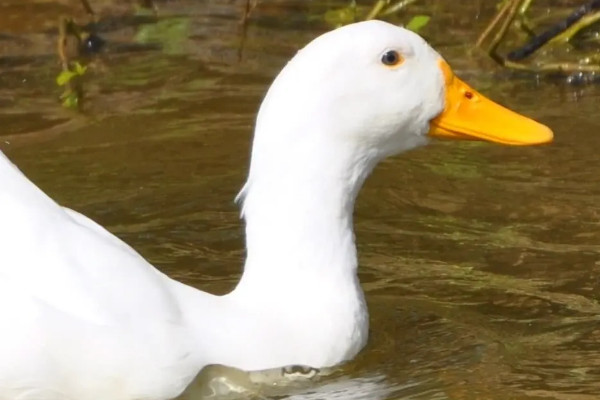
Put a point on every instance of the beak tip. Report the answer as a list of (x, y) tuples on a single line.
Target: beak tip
[(544, 135), (549, 135)]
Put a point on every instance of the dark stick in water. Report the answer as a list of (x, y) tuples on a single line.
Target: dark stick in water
[(540, 40)]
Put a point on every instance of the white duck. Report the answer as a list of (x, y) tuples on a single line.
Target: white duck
[(86, 317)]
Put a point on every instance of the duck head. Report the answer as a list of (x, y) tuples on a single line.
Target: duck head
[(383, 89)]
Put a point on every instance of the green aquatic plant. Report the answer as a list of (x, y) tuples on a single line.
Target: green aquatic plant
[(381, 9), (170, 33), (78, 43), (66, 76), (417, 22), (71, 96), (513, 14)]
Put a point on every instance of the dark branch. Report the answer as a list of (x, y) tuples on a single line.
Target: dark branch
[(540, 40)]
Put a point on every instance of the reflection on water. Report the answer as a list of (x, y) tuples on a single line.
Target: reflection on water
[(219, 382), (480, 263)]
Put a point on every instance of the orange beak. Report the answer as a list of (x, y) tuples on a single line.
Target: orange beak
[(469, 115)]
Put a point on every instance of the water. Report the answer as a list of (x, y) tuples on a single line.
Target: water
[(480, 262)]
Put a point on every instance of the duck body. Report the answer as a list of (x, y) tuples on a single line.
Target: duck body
[(69, 332), (75, 301), (83, 316)]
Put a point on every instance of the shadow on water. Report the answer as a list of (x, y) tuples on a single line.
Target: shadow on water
[(480, 263)]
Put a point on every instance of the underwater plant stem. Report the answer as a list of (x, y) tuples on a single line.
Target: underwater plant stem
[(513, 9), (525, 7), (64, 30), (88, 8), (492, 25), (563, 67), (522, 22), (250, 5), (561, 31), (377, 7), (397, 7), (584, 22)]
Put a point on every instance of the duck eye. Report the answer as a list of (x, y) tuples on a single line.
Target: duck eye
[(391, 58)]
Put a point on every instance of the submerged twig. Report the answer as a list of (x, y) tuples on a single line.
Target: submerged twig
[(510, 10), (492, 25), (250, 5), (69, 41), (505, 18), (525, 6), (377, 7), (88, 8), (381, 8), (522, 22), (559, 67), (397, 7), (561, 31), (584, 22)]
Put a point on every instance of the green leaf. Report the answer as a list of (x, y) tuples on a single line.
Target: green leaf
[(64, 77), (80, 69), (70, 100), (418, 22), (172, 34)]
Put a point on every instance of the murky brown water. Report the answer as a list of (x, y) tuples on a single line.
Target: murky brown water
[(481, 263)]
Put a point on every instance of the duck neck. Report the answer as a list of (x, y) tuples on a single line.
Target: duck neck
[(298, 208)]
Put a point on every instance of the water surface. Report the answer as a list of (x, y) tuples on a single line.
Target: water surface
[(480, 263)]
